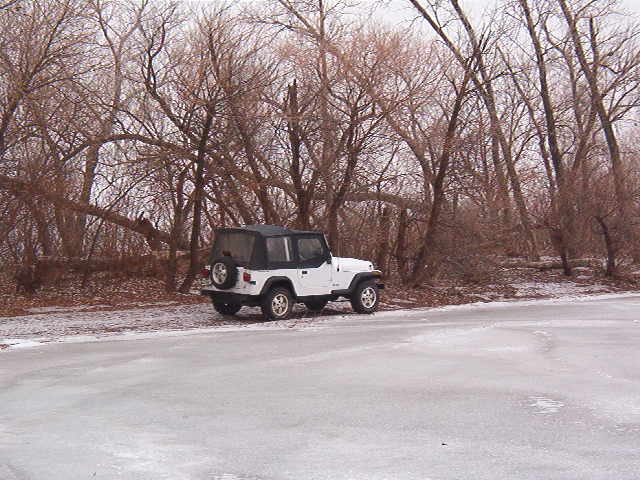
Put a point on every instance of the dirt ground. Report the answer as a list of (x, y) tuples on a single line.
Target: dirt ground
[(113, 292)]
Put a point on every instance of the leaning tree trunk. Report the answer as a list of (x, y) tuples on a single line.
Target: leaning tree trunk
[(482, 80), (560, 201)]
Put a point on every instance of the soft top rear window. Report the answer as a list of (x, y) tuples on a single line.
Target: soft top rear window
[(239, 246)]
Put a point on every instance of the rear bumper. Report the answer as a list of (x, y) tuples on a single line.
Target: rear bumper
[(230, 297)]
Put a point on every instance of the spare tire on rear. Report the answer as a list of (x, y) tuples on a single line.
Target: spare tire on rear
[(224, 273)]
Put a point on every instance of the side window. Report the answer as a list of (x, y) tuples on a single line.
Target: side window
[(279, 249), (310, 250)]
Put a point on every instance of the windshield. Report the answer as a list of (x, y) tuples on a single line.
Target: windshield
[(237, 245)]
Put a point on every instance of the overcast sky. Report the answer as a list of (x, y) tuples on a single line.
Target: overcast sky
[(633, 5), (630, 4), (402, 10)]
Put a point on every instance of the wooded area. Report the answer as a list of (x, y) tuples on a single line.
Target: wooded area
[(132, 127)]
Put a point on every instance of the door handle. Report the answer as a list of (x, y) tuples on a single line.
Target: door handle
[(304, 272)]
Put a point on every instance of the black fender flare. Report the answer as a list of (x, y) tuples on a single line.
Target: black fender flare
[(360, 277), (357, 278), (278, 280)]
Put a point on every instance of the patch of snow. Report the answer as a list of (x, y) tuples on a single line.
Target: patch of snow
[(49, 309), (526, 303), (152, 304), (488, 298), (542, 333), (525, 289), (19, 343), (544, 405), (82, 308), (89, 326), (401, 301)]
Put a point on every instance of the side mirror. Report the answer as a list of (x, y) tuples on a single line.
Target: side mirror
[(329, 260)]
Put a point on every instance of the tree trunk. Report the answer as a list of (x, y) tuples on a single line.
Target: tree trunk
[(609, 245), (194, 262), (303, 195), (401, 246), (419, 272), (598, 103), (559, 201), (179, 212), (483, 83), (558, 241), (382, 254)]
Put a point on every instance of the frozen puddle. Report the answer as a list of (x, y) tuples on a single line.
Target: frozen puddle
[(544, 405), (233, 476)]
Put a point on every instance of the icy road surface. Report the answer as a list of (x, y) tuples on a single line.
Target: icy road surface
[(531, 390)]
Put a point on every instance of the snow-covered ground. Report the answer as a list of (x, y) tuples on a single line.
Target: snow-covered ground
[(516, 390), (76, 324), (86, 322), (554, 289)]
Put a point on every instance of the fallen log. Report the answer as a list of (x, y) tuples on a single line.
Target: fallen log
[(51, 270), (44, 271), (141, 225)]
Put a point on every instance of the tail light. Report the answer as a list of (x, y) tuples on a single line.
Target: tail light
[(246, 276), (205, 272)]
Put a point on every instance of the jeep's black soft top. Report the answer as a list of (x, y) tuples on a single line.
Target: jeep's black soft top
[(248, 246), (268, 230)]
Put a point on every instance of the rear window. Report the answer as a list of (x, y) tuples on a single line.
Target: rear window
[(237, 245)]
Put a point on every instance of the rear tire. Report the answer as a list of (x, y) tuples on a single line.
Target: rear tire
[(365, 298), (226, 308), (277, 304)]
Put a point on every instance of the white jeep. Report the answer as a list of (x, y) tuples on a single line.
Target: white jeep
[(274, 267)]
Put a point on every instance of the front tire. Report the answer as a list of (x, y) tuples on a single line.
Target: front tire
[(226, 308), (365, 298), (277, 304)]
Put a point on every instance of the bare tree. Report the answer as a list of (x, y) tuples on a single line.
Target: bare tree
[(483, 82)]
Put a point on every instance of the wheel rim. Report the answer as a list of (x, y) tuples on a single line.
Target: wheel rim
[(368, 297), (279, 304), (219, 273)]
